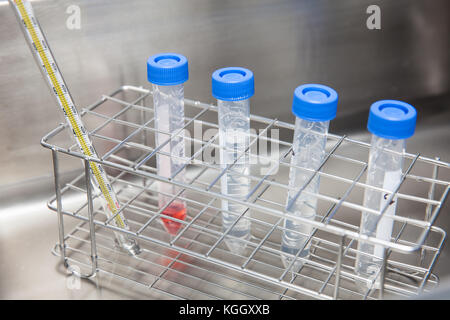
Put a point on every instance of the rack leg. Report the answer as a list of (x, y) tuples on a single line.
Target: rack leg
[(144, 133), (62, 243), (338, 268), (87, 175), (143, 120), (430, 207)]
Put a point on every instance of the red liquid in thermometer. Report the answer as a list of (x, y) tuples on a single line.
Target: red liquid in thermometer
[(175, 210)]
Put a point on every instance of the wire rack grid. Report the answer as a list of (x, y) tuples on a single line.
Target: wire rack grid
[(195, 263)]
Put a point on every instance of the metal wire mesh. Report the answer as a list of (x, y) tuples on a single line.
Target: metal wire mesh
[(196, 263)]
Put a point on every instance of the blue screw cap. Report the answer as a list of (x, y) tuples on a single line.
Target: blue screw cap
[(233, 84), (392, 119), (167, 69), (315, 102)]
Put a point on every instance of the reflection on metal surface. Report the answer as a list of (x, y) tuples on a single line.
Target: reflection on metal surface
[(286, 43)]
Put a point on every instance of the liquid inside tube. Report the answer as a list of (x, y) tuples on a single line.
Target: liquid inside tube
[(384, 171), (234, 124), (308, 152), (169, 119)]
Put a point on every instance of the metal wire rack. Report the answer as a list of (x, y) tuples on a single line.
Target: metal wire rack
[(196, 264)]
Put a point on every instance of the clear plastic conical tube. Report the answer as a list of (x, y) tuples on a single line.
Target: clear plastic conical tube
[(391, 122), (169, 120), (168, 72), (233, 87), (314, 105), (308, 152)]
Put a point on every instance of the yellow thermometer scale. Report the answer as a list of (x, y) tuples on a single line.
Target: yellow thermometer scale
[(41, 50)]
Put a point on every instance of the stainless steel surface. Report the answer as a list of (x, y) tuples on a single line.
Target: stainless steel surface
[(320, 41), (201, 240), (284, 42)]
